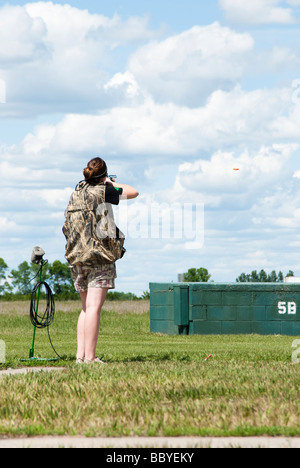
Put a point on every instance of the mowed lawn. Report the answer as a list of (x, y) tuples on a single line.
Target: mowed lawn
[(151, 385)]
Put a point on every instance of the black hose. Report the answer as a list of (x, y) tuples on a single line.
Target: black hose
[(45, 319), (42, 320)]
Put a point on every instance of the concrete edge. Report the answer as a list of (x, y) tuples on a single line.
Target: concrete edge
[(151, 442)]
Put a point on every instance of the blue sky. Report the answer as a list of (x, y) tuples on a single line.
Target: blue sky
[(173, 95)]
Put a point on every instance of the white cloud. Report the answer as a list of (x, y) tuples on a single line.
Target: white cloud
[(286, 125), (18, 170), (128, 130), (124, 85), (56, 198), (259, 11), (22, 38), (58, 58), (7, 226), (70, 28), (218, 185), (187, 67), (252, 216), (229, 119), (35, 144)]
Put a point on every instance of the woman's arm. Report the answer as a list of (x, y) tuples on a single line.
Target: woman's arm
[(128, 192)]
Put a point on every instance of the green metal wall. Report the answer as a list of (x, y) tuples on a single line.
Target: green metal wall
[(213, 308)]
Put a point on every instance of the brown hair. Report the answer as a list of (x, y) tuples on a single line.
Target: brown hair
[(95, 170)]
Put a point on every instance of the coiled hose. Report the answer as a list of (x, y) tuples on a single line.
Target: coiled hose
[(45, 319)]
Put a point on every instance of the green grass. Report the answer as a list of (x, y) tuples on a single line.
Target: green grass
[(152, 385)]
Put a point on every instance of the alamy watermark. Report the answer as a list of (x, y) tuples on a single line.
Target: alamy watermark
[(167, 221), (296, 353), (2, 352), (2, 92)]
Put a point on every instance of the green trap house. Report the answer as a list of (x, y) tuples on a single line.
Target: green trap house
[(224, 309)]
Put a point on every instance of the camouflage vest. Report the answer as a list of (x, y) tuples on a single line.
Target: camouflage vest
[(92, 236)]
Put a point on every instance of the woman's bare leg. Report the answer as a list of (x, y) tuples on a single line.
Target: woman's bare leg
[(80, 328), (89, 322)]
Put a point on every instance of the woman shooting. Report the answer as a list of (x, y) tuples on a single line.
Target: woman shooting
[(94, 244)]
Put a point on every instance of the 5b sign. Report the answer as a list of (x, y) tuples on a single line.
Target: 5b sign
[(287, 308)]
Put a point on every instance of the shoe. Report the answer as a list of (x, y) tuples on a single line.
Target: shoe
[(79, 361), (95, 361)]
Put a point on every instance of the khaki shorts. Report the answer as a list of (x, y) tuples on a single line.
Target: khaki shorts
[(85, 277)]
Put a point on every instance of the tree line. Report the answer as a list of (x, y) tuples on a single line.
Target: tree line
[(17, 284), (196, 275), (263, 277)]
